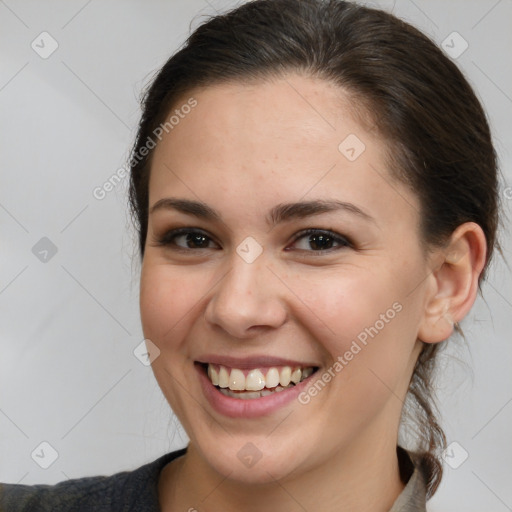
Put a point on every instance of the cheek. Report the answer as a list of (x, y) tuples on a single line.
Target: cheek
[(167, 299), (344, 303), (365, 318)]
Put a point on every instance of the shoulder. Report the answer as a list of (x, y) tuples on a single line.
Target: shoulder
[(135, 490)]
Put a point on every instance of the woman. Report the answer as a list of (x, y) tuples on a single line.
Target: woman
[(315, 190)]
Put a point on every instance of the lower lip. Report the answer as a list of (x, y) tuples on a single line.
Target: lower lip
[(247, 408)]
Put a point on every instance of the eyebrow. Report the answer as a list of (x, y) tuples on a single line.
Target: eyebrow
[(277, 215)]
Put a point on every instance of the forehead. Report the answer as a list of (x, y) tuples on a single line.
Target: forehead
[(272, 141), (269, 116)]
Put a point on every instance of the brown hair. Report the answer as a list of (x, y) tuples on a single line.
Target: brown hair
[(438, 135)]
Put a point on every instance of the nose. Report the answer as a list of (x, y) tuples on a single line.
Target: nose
[(247, 300)]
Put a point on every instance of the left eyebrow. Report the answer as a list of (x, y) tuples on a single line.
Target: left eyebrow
[(278, 214), (287, 211)]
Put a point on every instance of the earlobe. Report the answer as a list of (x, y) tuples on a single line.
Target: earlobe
[(453, 282)]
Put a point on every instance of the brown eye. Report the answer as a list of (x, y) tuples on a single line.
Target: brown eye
[(318, 240), (185, 238)]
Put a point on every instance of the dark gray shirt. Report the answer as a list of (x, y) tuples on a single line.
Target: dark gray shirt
[(137, 491)]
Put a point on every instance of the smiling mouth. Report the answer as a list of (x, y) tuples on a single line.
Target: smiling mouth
[(256, 382)]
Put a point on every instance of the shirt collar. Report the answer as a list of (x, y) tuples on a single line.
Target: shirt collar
[(413, 497)]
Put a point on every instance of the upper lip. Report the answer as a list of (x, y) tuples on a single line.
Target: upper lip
[(258, 361)]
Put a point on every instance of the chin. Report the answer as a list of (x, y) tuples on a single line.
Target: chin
[(260, 473), (252, 465)]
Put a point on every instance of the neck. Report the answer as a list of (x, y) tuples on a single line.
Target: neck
[(365, 478)]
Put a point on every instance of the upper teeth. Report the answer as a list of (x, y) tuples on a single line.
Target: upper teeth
[(255, 379)]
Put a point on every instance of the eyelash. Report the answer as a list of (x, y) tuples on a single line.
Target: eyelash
[(167, 240)]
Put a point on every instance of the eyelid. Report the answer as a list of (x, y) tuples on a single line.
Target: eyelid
[(166, 239), (332, 234)]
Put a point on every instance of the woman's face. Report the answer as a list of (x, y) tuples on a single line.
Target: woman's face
[(244, 290)]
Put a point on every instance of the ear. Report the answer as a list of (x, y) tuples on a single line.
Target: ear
[(453, 285)]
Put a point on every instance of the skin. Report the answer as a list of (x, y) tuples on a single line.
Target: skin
[(242, 150)]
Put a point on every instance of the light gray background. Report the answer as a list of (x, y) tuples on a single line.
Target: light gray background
[(68, 375)]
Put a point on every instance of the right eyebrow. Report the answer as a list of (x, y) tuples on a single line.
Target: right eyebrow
[(196, 208)]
